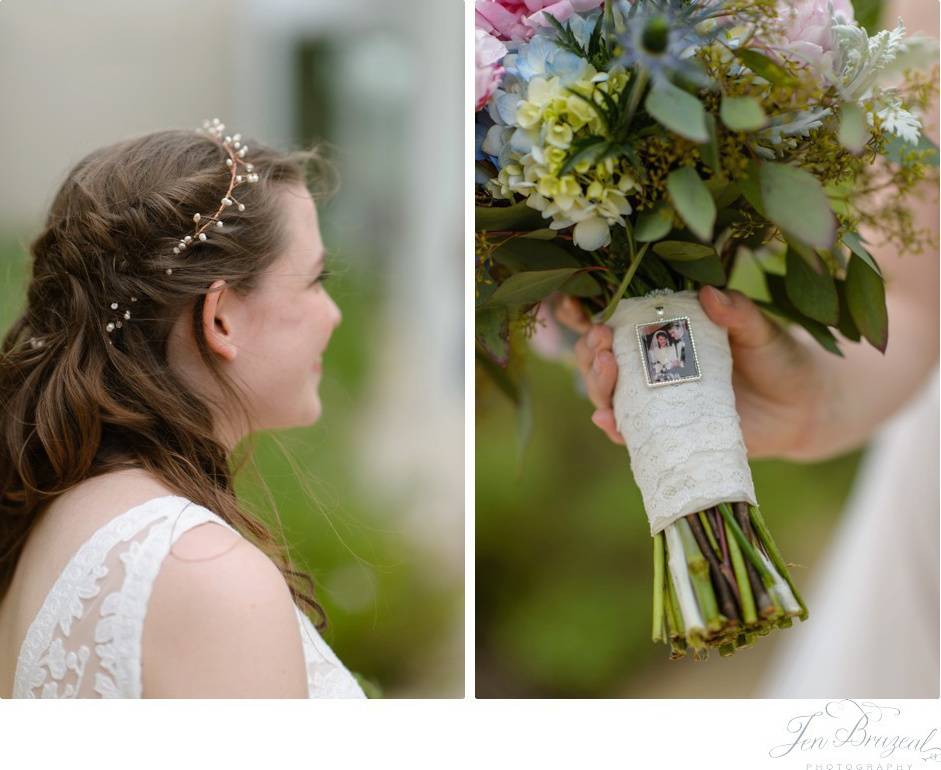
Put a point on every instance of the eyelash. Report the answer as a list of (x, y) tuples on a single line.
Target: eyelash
[(324, 275)]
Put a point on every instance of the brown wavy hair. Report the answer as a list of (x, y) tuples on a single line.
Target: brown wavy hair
[(73, 406)]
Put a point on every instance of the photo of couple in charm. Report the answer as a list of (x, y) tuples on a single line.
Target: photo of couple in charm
[(669, 352)]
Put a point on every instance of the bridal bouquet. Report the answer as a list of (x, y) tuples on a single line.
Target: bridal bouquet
[(629, 153)]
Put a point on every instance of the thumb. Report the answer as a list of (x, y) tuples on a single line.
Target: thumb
[(747, 325)]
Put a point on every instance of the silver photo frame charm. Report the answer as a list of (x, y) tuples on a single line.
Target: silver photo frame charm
[(668, 350)]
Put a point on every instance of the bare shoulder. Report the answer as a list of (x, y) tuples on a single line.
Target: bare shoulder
[(221, 623)]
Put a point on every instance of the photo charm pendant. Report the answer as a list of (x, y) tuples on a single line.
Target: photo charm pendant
[(668, 350)]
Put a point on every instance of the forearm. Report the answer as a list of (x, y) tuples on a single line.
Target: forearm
[(861, 391)]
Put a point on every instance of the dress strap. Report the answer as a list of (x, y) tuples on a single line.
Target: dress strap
[(113, 572)]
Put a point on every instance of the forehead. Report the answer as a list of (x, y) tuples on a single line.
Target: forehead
[(303, 242)]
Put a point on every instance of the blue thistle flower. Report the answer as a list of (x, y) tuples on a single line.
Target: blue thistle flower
[(660, 37)]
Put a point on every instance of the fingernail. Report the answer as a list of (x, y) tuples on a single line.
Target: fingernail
[(593, 337), (721, 296)]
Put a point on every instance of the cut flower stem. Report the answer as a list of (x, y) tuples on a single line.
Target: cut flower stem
[(719, 581)]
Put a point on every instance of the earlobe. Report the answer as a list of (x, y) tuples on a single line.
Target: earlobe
[(216, 326)]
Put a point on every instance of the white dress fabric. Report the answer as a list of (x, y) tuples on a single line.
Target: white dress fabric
[(873, 625), (85, 641)]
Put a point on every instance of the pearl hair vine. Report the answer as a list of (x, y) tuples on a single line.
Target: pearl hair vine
[(240, 172)]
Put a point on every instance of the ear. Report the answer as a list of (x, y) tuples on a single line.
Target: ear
[(217, 325)]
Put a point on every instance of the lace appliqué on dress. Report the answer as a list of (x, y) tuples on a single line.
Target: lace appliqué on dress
[(99, 603)]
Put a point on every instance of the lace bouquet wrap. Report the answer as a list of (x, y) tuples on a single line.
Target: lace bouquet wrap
[(633, 152), (718, 577)]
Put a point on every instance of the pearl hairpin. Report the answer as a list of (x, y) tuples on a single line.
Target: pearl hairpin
[(236, 151)]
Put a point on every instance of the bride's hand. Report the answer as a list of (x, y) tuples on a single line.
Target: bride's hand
[(777, 382)]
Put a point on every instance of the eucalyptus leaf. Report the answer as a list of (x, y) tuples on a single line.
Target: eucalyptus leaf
[(853, 132), (817, 330), (742, 113), (491, 330), (865, 296), (531, 286), (795, 201), (677, 110), (546, 234), (855, 244), (846, 325), (518, 216), (810, 288), (708, 270), (710, 150), (654, 224), (750, 185), (683, 251), (767, 68), (692, 201), (523, 253)]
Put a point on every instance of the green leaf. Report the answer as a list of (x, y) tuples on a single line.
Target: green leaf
[(767, 68), (659, 274), (853, 132), (692, 201), (527, 254), (531, 286), (545, 234), (742, 113), (846, 325), (750, 185), (710, 150), (818, 331), (865, 296), (855, 244), (683, 251), (723, 194), (654, 224), (708, 270), (811, 288), (520, 254), (795, 201), (491, 330), (518, 216), (678, 111)]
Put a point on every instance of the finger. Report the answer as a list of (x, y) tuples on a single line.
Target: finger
[(604, 419), (597, 338), (747, 325), (570, 313), (604, 374)]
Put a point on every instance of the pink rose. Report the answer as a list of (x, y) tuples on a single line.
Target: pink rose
[(517, 19), (488, 53), (807, 28)]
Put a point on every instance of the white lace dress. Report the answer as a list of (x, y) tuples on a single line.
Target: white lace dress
[(85, 641)]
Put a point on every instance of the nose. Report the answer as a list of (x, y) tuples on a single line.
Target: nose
[(337, 314)]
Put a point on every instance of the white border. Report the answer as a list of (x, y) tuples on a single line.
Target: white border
[(470, 403)]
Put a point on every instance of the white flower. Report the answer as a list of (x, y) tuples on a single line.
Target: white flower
[(591, 234)]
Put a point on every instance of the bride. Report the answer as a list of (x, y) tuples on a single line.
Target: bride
[(176, 306), (662, 357)]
